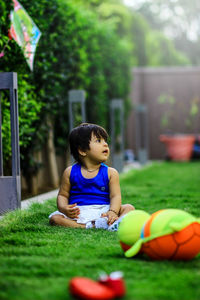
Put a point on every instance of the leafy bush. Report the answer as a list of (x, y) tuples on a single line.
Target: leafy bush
[(29, 109), (76, 51)]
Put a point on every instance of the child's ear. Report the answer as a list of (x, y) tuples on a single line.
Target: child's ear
[(81, 152)]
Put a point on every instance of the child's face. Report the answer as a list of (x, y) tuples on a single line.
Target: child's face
[(99, 150)]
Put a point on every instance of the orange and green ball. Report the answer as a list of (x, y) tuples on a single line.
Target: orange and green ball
[(166, 234)]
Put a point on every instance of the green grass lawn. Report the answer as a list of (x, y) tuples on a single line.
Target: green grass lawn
[(37, 260)]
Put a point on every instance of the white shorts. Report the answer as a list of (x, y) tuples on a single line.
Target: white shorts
[(87, 213)]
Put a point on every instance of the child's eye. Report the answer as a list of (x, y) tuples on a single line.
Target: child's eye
[(98, 140)]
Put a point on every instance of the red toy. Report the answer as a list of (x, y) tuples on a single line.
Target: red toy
[(115, 282), (107, 288), (88, 289)]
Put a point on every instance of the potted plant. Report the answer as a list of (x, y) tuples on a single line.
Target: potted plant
[(179, 145)]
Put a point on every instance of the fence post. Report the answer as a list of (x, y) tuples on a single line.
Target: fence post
[(142, 133), (76, 97), (10, 186), (117, 133)]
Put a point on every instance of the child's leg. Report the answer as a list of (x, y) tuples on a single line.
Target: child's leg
[(62, 221), (125, 209)]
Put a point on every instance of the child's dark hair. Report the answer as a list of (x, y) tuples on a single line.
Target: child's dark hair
[(80, 137)]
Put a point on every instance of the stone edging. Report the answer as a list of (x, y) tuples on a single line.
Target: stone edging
[(38, 199)]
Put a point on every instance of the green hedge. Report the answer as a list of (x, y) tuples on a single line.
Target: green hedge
[(75, 51), (88, 46)]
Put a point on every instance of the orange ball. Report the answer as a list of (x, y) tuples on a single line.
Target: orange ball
[(182, 245), (169, 234)]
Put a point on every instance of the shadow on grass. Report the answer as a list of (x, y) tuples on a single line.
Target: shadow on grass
[(190, 264)]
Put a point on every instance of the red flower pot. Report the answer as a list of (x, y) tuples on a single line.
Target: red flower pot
[(179, 147)]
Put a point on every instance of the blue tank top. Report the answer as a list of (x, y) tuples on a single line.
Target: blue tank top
[(91, 191)]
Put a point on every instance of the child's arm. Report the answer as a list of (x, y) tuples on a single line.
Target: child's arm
[(115, 196), (63, 205)]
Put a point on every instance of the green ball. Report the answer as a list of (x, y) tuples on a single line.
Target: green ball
[(131, 225)]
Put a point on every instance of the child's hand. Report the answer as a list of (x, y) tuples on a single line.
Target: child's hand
[(112, 217), (72, 211)]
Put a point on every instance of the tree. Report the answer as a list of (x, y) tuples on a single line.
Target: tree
[(161, 51), (78, 51), (179, 20), (139, 32)]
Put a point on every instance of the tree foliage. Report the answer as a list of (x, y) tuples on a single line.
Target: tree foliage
[(88, 45), (178, 20), (161, 50), (140, 26), (76, 51)]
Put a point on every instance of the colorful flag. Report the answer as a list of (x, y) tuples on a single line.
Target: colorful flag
[(24, 31)]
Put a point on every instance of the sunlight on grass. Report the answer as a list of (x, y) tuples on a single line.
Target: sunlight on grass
[(37, 260)]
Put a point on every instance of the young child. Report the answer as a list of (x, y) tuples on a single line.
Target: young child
[(89, 195)]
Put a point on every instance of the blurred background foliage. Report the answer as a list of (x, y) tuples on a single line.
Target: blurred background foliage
[(178, 20), (90, 45)]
